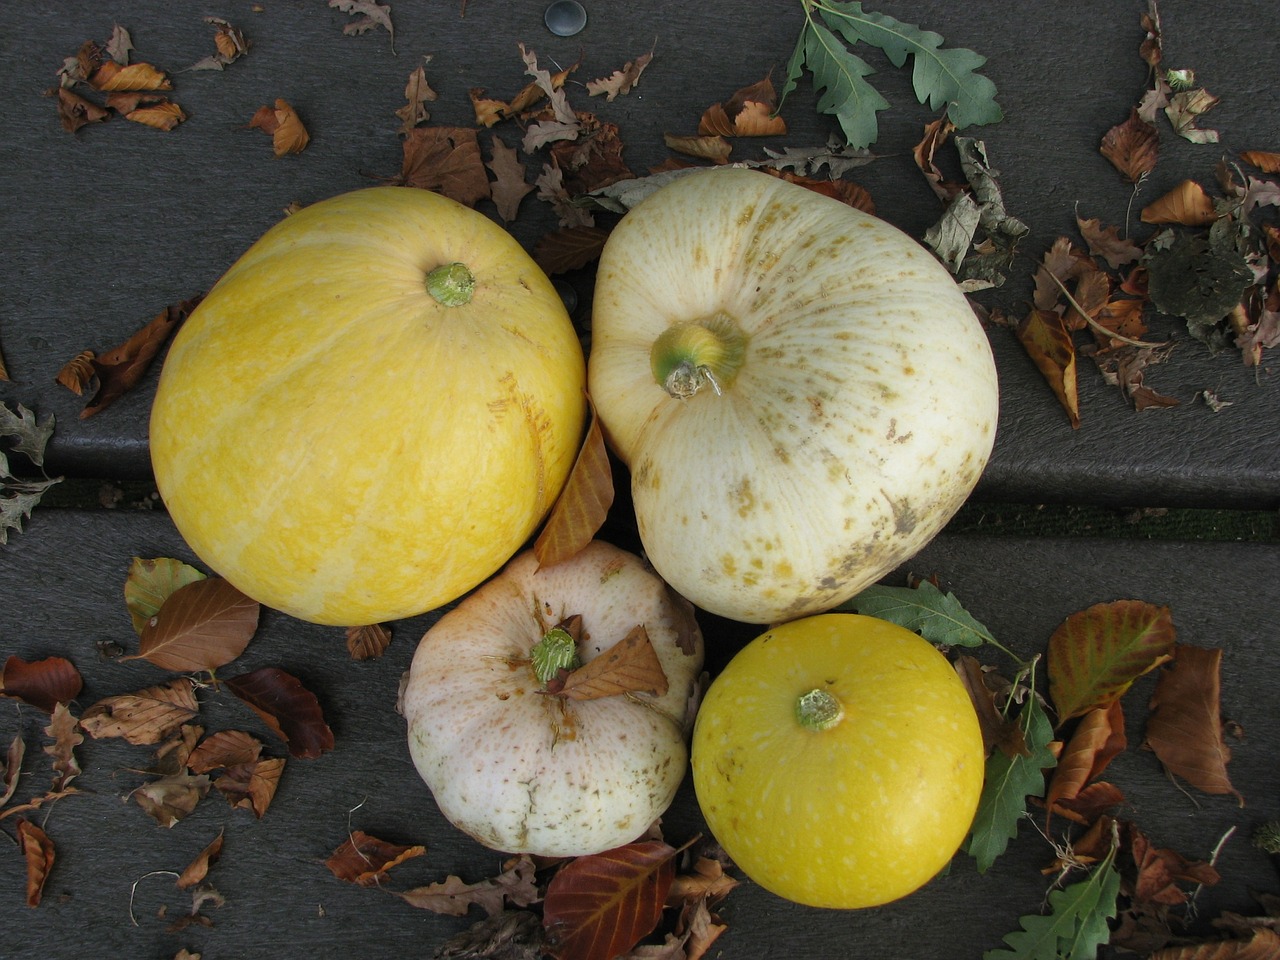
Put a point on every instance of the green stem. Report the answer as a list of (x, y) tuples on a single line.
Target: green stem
[(451, 284), (689, 356), (818, 710), (556, 651)]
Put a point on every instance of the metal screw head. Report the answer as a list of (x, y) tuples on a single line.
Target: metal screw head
[(564, 18)]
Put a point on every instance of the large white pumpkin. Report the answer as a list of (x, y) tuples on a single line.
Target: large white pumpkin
[(803, 395)]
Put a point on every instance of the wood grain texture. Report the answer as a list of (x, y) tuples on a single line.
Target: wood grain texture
[(111, 224), (62, 583)]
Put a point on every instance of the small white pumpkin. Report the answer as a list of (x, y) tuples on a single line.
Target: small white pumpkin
[(803, 395), (523, 770)]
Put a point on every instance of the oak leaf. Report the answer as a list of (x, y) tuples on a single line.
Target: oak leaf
[(583, 504), (369, 16), (630, 666), (1133, 147), (1047, 341), (593, 159), (509, 185), (202, 625), (599, 906), (63, 730), (42, 683), (516, 885), (364, 859), (282, 123), (1107, 243), (290, 711), (418, 93), (150, 582), (368, 642), (1184, 727), (445, 160), (38, 850), (1185, 204), (1095, 654), (620, 81), (144, 717)]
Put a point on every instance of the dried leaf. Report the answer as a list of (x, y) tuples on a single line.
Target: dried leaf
[(150, 582), (593, 159), (706, 882), (120, 45), (251, 786), (77, 373), (160, 113), (121, 368), (550, 184), (711, 147), (38, 850), (569, 249), (997, 730), (445, 160), (546, 83), (173, 754), (202, 625), (509, 186), (1159, 870), (112, 76), (172, 799), (1132, 147), (147, 716), (750, 112), (1096, 654), (516, 885), (620, 81), (418, 93), (511, 935), (226, 748), (1047, 341), (368, 642), (11, 769), (935, 135), (369, 16), (1184, 110), (1184, 727), (1097, 740), (1090, 803), (64, 731), (630, 666), (1125, 366), (74, 111), (1107, 243), (198, 869), (291, 711), (1265, 160), (1187, 204), (845, 191), (229, 44), (42, 683), (285, 127), (364, 860), (583, 505), (599, 906)]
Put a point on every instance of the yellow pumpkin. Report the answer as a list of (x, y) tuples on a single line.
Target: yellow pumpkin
[(802, 393), (371, 411)]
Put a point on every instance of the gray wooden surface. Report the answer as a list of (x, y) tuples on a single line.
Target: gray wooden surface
[(108, 226), (282, 901)]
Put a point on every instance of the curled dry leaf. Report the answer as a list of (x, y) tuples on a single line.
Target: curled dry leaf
[(368, 642), (282, 123), (712, 146), (112, 76), (364, 859), (77, 373), (1184, 727), (629, 666), (418, 94), (1265, 160), (997, 729), (620, 81), (144, 717), (202, 625), (150, 582), (602, 905), (41, 683), (198, 869), (38, 850), (1097, 740), (1095, 655), (509, 186), (75, 111), (229, 45), (748, 113), (1132, 147), (11, 769), (171, 799), (1159, 870), (150, 110), (251, 786), (1185, 204), (291, 711), (1047, 341), (935, 135), (583, 505), (1090, 803)]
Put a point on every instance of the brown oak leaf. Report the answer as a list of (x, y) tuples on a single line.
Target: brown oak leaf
[(509, 185), (620, 81), (515, 885)]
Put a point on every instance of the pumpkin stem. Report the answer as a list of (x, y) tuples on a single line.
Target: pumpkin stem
[(451, 284), (818, 710), (556, 651), (689, 356)]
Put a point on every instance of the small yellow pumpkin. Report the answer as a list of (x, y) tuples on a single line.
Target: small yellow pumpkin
[(802, 393), (371, 411)]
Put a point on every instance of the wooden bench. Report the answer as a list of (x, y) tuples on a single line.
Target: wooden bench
[(109, 225)]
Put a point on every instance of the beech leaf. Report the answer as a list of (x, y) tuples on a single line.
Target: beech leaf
[(1097, 740), (923, 609), (583, 504), (1096, 654), (203, 625), (516, 885), (1045, 337), (630, 666), (38, 850), (1186, 204), (364, 859), (291, 711), (750, 112), (198, 869), (1132, 147), (599, 906), (711, 146), (42, 683), (368, 642), (1267, 161), (172, 799), (226, 748), (282, 123), (150, 582), (145, 716), (1184, 727), (251, 786), (11, 769)]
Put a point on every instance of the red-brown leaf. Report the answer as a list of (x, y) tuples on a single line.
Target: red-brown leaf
[(1097, 740), (630, 666), (1090, 803), (599, 906), (198, 869), (38, 850), (569, 249), (1048, 342), (1261, 943), (251, 786), (42, 683), (291, 711), (1184, 727), (445, 160), (369, 641), (202, 625), (64, 731), (145, 716), (226, 748), (582, 506), (364, 859), (1160, 870), (11, 768), (1132, 147), (1096, 654)]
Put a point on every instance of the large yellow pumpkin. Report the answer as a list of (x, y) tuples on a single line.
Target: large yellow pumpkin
[(372, 411)]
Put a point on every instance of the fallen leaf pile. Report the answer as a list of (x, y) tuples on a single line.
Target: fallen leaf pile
[(1052, 748)]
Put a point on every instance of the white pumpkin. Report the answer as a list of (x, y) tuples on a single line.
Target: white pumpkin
[(803, 395), (521, 769)]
